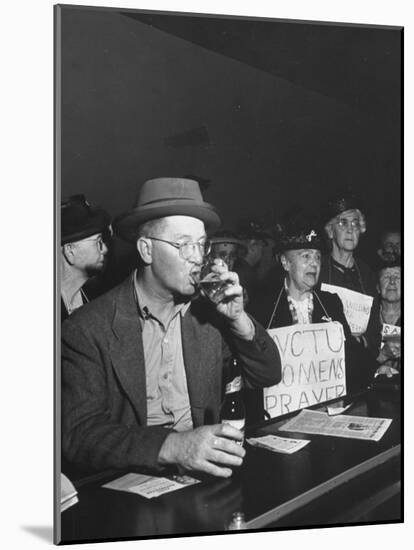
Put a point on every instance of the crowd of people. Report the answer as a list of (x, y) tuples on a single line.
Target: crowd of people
[(144, 358)]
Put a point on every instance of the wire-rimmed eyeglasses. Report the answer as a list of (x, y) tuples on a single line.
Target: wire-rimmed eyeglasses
[(344, 223), (100, 243), (187, 249)]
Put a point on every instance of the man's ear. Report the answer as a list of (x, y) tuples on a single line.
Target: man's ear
[(68, 252), (144, 247), (250, 243)]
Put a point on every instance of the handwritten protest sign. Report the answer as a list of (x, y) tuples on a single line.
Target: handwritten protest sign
[(390, 331), (390, 334), (313, 367), (357, 306)]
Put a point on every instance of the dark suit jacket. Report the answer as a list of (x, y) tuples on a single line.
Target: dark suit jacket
[(104, 386), (64, 313)]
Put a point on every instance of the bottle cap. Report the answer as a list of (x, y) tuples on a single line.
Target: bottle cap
[(237, 522)]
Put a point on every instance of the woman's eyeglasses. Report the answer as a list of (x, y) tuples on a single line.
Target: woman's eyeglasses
[(345, 223)]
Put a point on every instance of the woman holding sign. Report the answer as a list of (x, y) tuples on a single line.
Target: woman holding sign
[(343, 274), (297, 302)]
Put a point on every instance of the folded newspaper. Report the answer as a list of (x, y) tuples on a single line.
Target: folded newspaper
[(150, 486), (277, 444), (353, 427)]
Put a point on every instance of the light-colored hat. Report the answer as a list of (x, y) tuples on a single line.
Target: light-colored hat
[(226, 237), (161, 197)]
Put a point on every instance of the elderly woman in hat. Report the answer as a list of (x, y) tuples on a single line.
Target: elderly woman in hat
[(344, 225), (83, 250), (297, 300)]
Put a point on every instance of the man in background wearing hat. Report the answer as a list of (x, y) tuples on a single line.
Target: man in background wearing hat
[(249, 265), (389, 249), (257, 267), (227, 246), (83, 250), (142, 365)]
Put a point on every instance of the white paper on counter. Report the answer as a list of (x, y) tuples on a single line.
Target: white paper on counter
[(150, 486), (68, 493), (352, 427), (277, 444), (337, 408)]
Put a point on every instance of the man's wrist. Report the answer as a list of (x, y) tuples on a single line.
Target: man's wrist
[(243, 327), (166, 453)]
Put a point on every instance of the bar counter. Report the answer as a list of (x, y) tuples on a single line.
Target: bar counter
[(330, 481)]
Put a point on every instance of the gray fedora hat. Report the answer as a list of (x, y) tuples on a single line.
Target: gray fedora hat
[(161, 197)]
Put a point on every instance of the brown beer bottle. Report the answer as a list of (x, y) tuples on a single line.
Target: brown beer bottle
[(232, 410)]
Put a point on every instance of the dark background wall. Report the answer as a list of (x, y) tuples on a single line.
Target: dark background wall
[(266, 114)]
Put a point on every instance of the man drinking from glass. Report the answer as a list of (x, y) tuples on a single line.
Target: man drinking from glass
[(142, 366)]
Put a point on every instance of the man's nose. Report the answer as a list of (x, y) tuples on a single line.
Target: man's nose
[(198, 256), (104, 248)]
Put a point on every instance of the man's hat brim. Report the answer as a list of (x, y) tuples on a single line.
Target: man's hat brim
[(226, 240), (97, 222), (126, 225)]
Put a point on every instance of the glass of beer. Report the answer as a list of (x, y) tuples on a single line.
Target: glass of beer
[(209, 281)]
